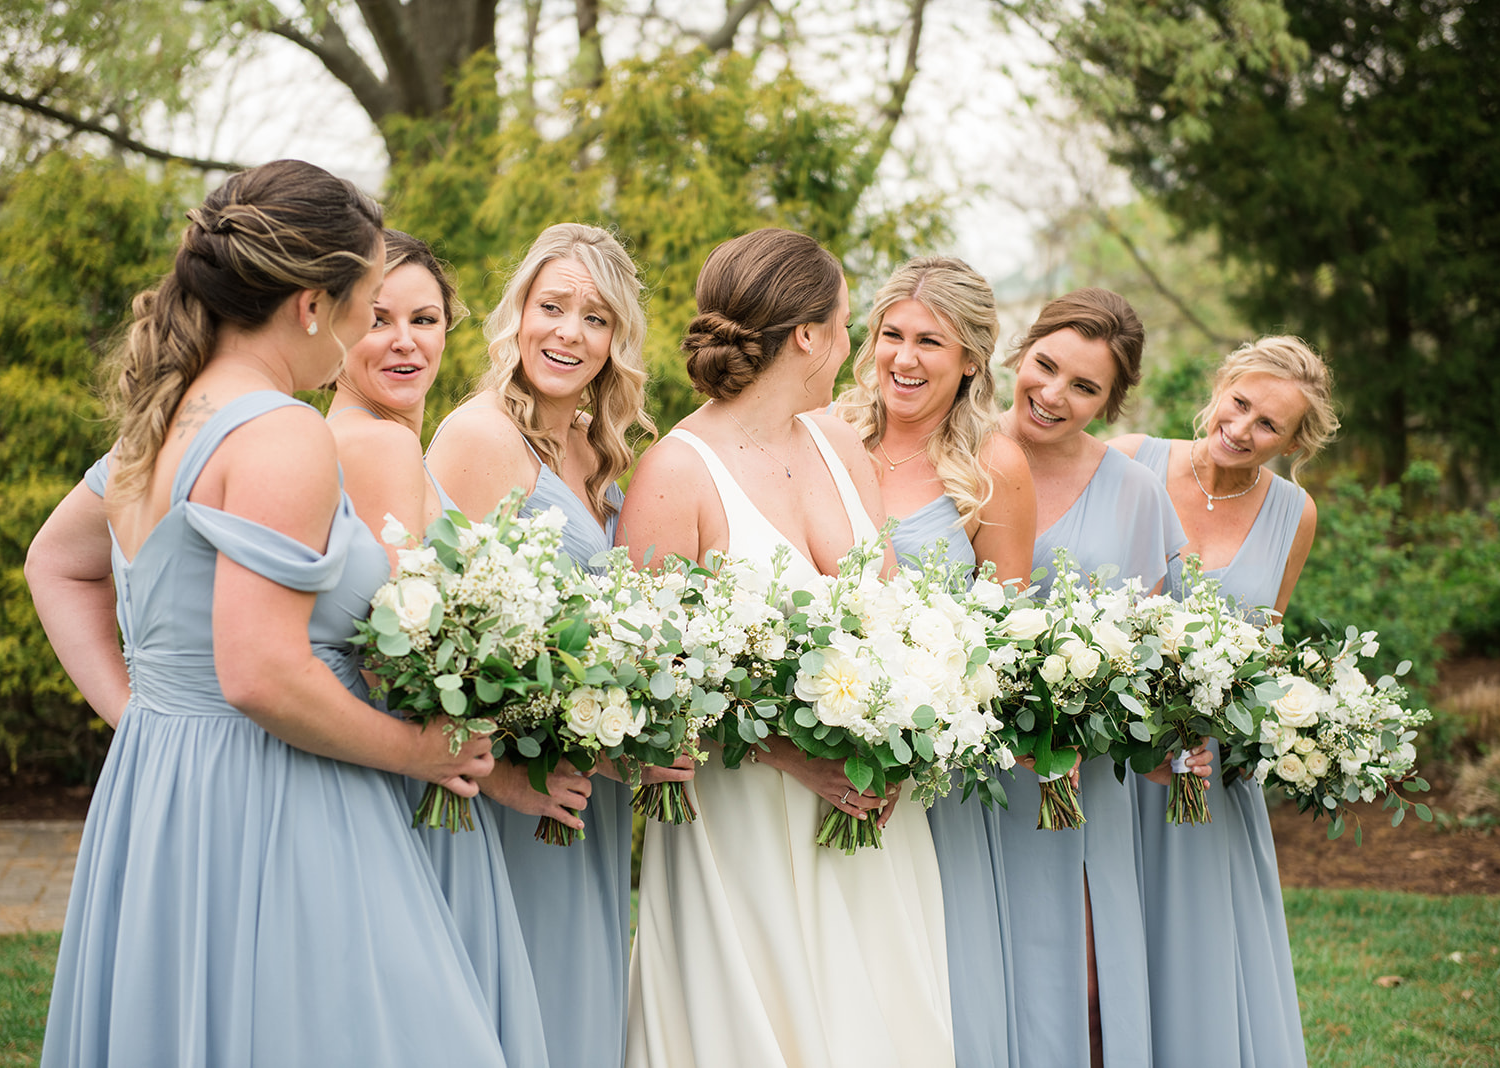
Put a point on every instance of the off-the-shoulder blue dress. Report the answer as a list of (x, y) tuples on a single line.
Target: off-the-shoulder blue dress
[(238, 901), (1220, 878)]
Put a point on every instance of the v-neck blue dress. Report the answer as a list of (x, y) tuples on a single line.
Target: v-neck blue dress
[(1220, 879), (572, 902), (238, 901)]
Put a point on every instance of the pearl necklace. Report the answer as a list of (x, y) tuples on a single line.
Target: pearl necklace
[(1193, 462)]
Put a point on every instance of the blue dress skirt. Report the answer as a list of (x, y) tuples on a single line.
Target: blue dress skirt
[(1219, 879), (238, 901)]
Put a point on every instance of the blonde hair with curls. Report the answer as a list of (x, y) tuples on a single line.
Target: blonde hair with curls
[(617, 395), (1292, 360), (962, 300), (261, 237)]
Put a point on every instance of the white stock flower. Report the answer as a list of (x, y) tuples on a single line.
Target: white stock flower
[(394, 533)]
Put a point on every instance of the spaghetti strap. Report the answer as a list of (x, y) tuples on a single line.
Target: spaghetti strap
[(859, 519)]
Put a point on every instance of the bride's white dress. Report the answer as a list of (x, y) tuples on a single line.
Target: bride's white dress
[(757, 947)]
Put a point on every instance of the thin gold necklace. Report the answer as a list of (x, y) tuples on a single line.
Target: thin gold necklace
[(745, 430), (1193, 462), (897, 463)]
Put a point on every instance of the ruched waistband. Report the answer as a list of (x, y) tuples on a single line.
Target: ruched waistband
[(187, 683)]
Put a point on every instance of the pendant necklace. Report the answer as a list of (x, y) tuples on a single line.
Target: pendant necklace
[(757, 444), (1193, 462), (897, 463)]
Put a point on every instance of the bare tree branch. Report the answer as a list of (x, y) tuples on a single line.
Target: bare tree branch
[(722, 39), (1106, 219), (332, 49), (388, 25), (118, 137)]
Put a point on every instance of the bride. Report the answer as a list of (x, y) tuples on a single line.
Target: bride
[(755, 945)]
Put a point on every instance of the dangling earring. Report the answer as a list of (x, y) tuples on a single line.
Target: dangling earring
[(312, 328)]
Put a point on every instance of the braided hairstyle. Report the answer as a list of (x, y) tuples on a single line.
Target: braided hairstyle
[(263, 236), (753, 291)]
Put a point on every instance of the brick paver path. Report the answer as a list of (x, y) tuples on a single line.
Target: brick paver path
[(36, 870)]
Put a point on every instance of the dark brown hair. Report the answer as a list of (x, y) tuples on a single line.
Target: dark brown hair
[(753, 291), (1098, 315)]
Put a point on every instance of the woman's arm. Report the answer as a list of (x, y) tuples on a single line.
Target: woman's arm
[(279, 471), (1006, 531), (68, 570)]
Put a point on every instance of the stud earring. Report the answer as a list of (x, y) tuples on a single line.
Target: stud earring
[(970, 370), (312, 328)]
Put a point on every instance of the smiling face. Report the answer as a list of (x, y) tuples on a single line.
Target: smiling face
[(1255, 419), (395, 364), (565, 332), (1062, 385), (919, 363)]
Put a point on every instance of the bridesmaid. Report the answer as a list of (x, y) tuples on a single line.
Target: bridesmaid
[(1078, 943), (924, 405), (757, 946), (241, 847), (1252, 529), (566, 383), (376, 417)]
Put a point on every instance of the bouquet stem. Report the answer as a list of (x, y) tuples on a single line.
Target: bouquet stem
[(666, 802), (1186, 801), (441, 807), (842, 831), (1059, 809), (554, 832)]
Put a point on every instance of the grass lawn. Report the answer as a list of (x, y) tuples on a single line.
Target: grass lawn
[(1444, 1012)]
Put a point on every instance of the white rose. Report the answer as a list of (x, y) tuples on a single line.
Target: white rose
[(1083, 662), (585, 707), (1304, 745), (413, 601), (421, 561), (988, 594), (1114, 641), (1290, 768), (1054, 669), (614, 724), (984, 684), (1025, 623), (1317, 764), (1298, 707), (931, 629)]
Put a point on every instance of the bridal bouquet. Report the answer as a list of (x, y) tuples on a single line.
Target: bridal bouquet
[(1204, 668), (1334, 737), (877, 674), (680, 639), (1066, 670), (468, 628)]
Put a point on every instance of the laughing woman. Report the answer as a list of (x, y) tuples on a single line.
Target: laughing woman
[(566, 383), (376, 417), (1252, 529)]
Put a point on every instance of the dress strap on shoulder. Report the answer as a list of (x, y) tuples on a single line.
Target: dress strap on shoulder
[(729, 489), (220, 425), (859, 519), (1155, 453)]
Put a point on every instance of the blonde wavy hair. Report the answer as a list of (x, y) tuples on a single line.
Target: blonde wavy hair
[(964, 303), (616, 398), (1292, 360), (264, 235)]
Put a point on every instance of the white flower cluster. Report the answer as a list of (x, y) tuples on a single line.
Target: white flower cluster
[(1334, 736), (875, 653), (1201, 642)]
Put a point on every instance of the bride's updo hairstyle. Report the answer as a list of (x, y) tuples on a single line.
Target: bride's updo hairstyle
[(752, 293), (261, 237), (1098, 315)]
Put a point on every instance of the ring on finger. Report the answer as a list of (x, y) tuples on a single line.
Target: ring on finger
[(845, 799)]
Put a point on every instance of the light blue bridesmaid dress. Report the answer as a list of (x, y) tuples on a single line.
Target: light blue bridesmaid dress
[(1123, 517), (1219, 880), (980, 978), (573, 902), (238, 901)]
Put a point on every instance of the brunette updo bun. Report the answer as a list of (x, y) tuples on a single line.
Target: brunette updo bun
[(752, 293)]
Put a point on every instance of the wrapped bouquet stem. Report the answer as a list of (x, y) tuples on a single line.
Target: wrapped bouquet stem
[(1187, 800)]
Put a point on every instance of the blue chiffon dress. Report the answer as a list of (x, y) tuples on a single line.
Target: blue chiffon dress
[(238, 901), (572, 902), (1122, 517), (980, 976), (1220, 879)]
